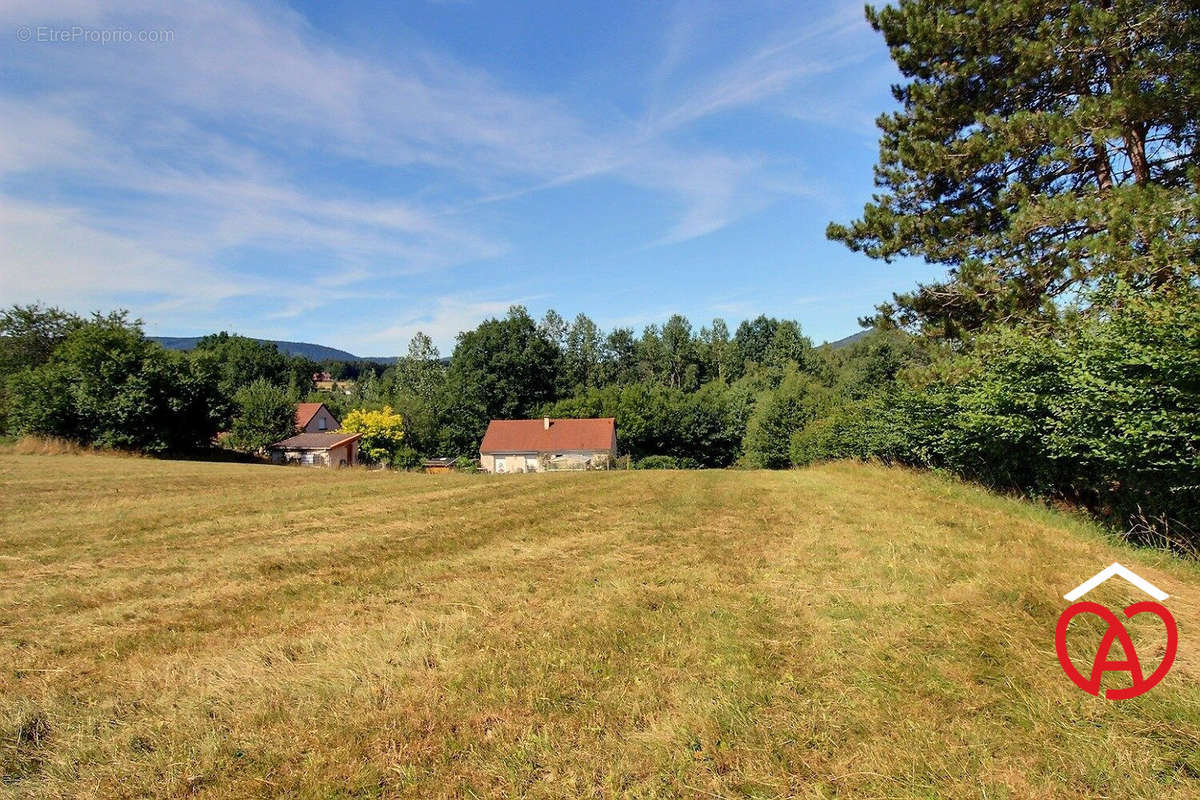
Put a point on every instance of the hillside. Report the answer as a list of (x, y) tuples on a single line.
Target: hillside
[(846, 341), (229, 631), (317, 352)]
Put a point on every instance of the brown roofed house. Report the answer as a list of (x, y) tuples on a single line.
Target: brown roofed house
[(315, 443), (317, 450), (541, 445), (315, 418)]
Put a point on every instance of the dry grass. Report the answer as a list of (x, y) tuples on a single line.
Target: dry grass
[(40, 446), (227, 631)]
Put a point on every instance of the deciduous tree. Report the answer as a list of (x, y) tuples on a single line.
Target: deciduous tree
[(106, 384), (581, 358), (504, 369), (265, 414)]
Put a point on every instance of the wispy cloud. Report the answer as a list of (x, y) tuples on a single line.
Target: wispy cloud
[(441, 321), (155, 172), (805, 48)]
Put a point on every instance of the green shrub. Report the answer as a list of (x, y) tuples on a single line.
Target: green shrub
[(868, 429), (779, 414), (659, 462), (405, 458), (1104, 410)]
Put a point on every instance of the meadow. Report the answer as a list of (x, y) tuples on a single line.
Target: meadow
[(185, 629)]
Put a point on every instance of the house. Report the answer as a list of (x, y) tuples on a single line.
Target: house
[(317, 450), (325, 382), (540, 445), (315, 443), (315, 418)]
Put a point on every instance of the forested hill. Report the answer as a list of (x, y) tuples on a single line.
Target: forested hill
[(317, 352), (846, 341)]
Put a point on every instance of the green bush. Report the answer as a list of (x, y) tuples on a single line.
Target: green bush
[(867, 429), (778, 415), (464, 464), (1104, 411), (405, 457), (666, 462)]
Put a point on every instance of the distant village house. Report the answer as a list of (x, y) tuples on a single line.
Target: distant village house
[(325, 382), (541, 445)]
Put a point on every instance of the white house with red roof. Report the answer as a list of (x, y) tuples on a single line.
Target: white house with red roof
[(541, 445)]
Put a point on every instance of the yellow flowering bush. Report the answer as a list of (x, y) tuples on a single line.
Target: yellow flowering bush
[(382, 432)]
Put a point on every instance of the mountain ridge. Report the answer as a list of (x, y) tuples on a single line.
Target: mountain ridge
[(317, 352)]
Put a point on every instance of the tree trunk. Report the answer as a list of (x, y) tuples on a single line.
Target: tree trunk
[(1102, 167), (1135, 141)]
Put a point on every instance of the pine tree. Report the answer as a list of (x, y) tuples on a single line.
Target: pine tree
[(1041, 145)]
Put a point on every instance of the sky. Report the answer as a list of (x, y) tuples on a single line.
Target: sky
[(349, 174)]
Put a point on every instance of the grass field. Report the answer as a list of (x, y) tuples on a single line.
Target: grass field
[(219, 630)]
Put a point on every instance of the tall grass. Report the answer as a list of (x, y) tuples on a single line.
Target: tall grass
[(41, 446)]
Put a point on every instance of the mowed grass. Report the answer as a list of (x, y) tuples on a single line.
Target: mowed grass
[(172, 629)]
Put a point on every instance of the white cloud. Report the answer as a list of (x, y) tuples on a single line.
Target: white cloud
[(172, 156), (51, 253), (808, 47), (442, 321)]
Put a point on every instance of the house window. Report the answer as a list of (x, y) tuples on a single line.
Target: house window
[(321, 423)]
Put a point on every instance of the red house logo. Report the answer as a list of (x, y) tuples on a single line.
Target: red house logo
[(1140, 682)]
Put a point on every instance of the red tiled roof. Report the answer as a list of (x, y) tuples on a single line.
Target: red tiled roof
[(305, 412), (532, 435), (316, 441)]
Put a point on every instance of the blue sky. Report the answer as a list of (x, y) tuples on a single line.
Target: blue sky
[(352, 174)]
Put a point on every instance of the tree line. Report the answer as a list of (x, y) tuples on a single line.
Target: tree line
[(680, 395), (683, 396)]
